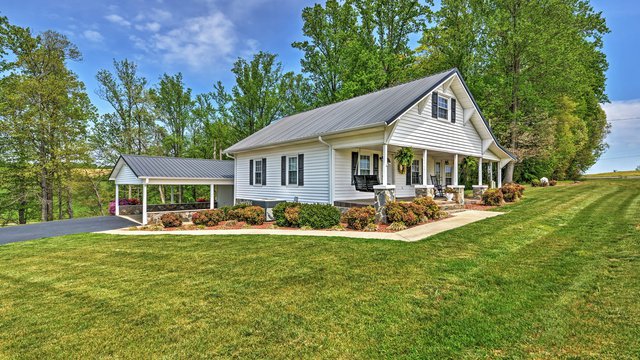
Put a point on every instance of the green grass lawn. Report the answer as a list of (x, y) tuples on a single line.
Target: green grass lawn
[(620, 174), (558, 276)]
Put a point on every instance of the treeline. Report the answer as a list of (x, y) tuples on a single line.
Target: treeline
[(535, 68)]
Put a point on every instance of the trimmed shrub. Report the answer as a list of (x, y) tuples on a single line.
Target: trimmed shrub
[(208, 217), (535, 182), (227, 209), (493, 197), (279, 213), (431, 209), (170, 220), (371, 228), (553, 182), (253, 215), (410, 213), (512, 192), (202, 200), (397, 226), (292, 216), (319, 216), (358, 218)]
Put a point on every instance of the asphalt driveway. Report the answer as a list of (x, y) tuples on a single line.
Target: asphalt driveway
[(61, 227)]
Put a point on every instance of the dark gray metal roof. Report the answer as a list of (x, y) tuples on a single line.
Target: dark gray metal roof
[(178, 168), (376, 108)]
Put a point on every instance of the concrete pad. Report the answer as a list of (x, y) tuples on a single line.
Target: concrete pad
[(413, 234)]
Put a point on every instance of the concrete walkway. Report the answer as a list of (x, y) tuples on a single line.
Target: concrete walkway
[(413, 234)]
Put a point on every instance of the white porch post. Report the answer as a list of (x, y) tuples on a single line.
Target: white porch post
[(211, 194), (499, 175), (117, 201), (425, 161), (384, 164), (455, 169), (480, 171), (144, 204)]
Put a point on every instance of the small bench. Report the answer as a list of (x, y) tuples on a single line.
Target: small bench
[(365, 183)]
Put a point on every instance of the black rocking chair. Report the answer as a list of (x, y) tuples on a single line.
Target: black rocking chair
[(437, 186), (365, 182)]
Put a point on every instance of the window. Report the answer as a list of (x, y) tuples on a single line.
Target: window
[(447, 174), (415, 172), (293, 170), (365, 165), (443, 108), (438, 172), (258, 172)]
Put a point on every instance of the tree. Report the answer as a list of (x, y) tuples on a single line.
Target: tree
[(43, 118), (130, 128), (173, 107)]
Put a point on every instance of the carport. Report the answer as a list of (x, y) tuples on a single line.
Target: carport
[(148, 171)]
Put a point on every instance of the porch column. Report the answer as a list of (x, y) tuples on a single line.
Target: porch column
[(480, 171), (211, 193), (144, 204), (455, 169), (384, 164), (499, 175), (117, 201), (425, 160), (172, 194)]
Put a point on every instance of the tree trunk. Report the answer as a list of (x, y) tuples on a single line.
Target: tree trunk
[(69, 203), (161, 190), (508, 176), (59, 199), (22, 212), (43, 195), (179, 194)]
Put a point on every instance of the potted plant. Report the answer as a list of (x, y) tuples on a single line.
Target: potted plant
[(449, 192), (404, 157)]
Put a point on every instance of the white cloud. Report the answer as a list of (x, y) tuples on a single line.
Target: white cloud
[(118, 20), (624, 117), (197, 42), (92, 35), (150, 26)]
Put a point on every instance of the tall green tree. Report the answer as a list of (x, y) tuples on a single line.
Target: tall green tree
[(130, 128), (173, 108), (44, 115)]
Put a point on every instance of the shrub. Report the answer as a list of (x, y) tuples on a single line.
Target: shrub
[(535, 182), (512, 192), (292, 216), (371, 227), (202, 200), (397, 226), (319, 216), (553, 182), (279, 212), (410, 213), (359, 218), (544, 183), (170, 220), (131, 201), (230, 223), (253, 215), (208, 217), (431, 209), (493, 197), (227, 209)]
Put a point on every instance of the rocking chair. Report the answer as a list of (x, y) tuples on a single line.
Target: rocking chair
[(437, 186)]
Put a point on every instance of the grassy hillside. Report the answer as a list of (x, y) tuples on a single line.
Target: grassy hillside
[(558, 276), (620, 174)]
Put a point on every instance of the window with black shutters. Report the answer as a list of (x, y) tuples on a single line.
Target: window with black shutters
[(258, 172), (293, 170), (415, 172)]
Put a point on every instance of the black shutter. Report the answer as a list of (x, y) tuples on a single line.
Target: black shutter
[(264, 171), (420, 171), (250, 172), (354, 166), (300, 169), (376, 165), (434, 105), (453, 111), (283, 171), (408, 172)]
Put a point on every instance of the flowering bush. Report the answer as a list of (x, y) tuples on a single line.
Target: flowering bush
[(493, 197), (253, 215), (202, 200), (130, 201), (292, 216), (207, 217), (553, 182), (512, 192), (170, 220), (431, 209), (358, 218), (279, 212)]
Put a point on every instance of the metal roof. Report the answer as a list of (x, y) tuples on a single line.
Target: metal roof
[(177, 168), (376, 108)]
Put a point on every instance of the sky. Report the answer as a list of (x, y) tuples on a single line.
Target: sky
[(202, 38)]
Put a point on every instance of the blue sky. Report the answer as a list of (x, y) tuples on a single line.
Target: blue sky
[(201, 39)]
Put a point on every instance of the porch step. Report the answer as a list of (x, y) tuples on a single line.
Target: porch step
[(450, 207)]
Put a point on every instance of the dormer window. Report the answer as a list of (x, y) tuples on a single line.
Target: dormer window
[(443, 108)]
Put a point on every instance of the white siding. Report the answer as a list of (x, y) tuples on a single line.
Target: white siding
[(421, 130), (127, 177), (343, 188), (316, 174)]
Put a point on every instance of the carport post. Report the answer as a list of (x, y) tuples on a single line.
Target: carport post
[(211, 203), (144, 204), (117, 201)]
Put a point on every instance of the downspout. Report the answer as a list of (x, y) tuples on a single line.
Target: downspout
[(331, 177)]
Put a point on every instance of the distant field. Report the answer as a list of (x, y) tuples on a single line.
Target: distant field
[(617, 174)]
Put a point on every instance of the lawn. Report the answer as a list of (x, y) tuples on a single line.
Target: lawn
[(557, 276), (618, 174)]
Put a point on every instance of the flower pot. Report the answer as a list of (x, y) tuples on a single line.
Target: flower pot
[(449, 196)]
